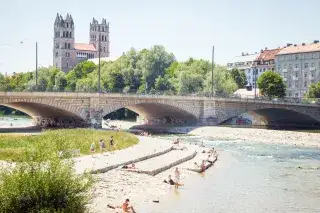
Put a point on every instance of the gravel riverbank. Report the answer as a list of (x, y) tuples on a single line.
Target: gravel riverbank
[(302, 139)]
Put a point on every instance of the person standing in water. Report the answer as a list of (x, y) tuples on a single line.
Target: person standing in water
[(176, 177)]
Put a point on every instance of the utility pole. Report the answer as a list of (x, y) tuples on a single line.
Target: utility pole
[(212, 71), (37, 64), (99, 64), (255, 82)]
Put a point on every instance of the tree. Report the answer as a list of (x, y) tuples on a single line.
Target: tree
[(313, 91), (223, 83), (239, 77), (271, 85)]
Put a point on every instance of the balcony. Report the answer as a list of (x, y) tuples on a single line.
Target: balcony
[(295, 78), (284, 70), (311, 78), (312, 68), (296, 69)]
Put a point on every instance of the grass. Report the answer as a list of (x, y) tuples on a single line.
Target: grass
[(14, 146)]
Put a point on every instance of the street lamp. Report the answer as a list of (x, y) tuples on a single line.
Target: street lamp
[(212, 71), (99, 67), (255, 82)]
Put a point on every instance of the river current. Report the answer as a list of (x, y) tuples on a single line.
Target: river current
[(251, 178)]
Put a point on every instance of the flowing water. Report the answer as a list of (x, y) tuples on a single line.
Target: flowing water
[(251, 178), (12, 122)]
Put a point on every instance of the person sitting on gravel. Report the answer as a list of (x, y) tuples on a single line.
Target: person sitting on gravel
[(177, 142), (133, 166), (203, 165), (126, 207)]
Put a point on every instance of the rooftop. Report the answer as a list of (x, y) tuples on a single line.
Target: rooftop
[(302, 48), (268, 55), (84, 47), (244, 58)]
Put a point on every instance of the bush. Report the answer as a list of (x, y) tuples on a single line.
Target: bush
[(43, 183)]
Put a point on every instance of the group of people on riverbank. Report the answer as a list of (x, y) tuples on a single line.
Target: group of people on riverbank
[(102, 146)]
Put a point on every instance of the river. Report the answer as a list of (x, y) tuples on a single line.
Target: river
[(248, 177), (252, 178)]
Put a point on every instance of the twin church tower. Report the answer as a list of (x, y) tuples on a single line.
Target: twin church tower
[(67, 53)]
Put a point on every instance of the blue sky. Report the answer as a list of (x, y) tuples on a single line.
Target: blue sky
[(188, 28)]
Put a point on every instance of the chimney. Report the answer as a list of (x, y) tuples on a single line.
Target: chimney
[(266, 48), (242, 53), (261, 51), (295, 45), (303, 44), (288, 44), (255, 53), (316, 41)]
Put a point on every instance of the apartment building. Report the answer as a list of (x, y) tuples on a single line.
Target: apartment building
[(244, 62), (299, 65)]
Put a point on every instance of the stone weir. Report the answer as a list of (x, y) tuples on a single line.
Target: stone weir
[(164, 162)]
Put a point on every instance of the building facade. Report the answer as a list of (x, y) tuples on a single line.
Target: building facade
[(67, 53), (299, 65), (244, 62)]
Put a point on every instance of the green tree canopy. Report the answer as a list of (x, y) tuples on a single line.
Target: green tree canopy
[(239, 77), (313, 91), (271, 85)]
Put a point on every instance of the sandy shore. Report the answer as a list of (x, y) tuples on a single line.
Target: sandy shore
[(116, 185), (303, 139)]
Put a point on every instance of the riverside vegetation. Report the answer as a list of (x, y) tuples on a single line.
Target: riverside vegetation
[(14, 146), (42, 181)]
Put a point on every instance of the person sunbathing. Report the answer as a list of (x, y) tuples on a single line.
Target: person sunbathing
[(132, 166)]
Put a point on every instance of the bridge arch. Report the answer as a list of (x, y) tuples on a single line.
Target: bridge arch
[(157, 110), (275, 116), (46, 113)]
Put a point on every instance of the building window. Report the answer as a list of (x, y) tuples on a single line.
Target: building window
[(285, 66), (305, 84), (279, 66), (296, 57), (70, 35), (104, 49), (67, 64), (297, 65), (290, 66), (312, 74), (57, 54), (306, 65), (312, 64), (67, 25), (297, 74), (305, 75), (69, 46), (65, 45)]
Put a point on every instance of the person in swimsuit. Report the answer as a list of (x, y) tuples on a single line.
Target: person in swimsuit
[(111, 144), (126, 207), (102, 145), (177, 177), (92, 147)]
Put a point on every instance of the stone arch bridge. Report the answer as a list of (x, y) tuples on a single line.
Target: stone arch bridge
[(88, 109)]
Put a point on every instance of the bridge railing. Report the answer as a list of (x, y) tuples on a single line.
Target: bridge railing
[(166, 95)]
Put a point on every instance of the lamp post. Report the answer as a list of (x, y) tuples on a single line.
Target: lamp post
[(255, 82), (99, 67), (212, 71), (37, 64)]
